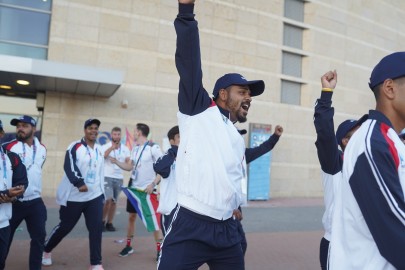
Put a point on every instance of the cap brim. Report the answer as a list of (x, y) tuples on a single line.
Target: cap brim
[(14, 121), (256, 87)]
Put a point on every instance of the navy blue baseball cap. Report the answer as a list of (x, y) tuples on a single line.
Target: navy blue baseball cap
[(390, 67), (91, 121), (346, 126), (24, 119), (256, 87)]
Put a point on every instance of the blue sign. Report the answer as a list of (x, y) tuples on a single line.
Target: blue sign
[(259, 169)]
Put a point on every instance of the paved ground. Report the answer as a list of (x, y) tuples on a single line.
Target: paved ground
[(282, 234)]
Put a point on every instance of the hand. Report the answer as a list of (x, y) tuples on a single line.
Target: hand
[(278, 130), (83, 188), (113, 160), (16, 191), (115, 145), (237, 214), (5, 199), (149, 189), (329, 79), (127, 159)]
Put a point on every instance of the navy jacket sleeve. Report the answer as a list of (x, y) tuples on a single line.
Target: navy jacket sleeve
[(253, 153), (329, 155), (72, 171), (192, 99), (164, 163), (377, 188), (19, 171)]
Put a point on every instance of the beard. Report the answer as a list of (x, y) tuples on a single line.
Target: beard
[(23, 137), (235, 109), (241, 117)]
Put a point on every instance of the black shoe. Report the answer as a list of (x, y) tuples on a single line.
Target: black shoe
[(109, 227)]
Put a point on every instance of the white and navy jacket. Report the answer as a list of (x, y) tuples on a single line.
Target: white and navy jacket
[(14, 174), (33, 158), (165, 167), (329, 155), (369, 215), (80, 160), (211, 153)]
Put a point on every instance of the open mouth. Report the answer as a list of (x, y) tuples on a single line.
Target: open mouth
[(245, 106)]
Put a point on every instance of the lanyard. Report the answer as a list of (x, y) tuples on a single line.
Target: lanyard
[(3, 157), (137, 149), (34, 152), (88, 152)]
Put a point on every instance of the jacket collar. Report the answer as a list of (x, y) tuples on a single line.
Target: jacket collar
[(379, 116)]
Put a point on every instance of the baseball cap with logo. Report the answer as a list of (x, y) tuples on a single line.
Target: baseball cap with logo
[(91, 121), (256, 87), (24, 119), (390, 67), (346, 126)]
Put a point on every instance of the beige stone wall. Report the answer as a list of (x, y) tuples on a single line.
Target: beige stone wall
[(137, 36)]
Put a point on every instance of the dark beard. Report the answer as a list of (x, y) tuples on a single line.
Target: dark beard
[(241, 118), (23, 138)]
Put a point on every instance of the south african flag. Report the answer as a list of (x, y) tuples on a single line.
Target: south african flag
[(146, 206)]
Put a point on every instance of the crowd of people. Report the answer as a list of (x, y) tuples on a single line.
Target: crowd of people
[(196, 218)]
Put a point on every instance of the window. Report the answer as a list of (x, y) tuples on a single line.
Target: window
[(290, 92), (24, 27), (292, 58), (294, 9), (292, 64), (293, 36)]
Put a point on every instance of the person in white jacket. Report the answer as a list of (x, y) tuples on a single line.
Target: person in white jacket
[(13, 183), (81, 191), (31, 207)]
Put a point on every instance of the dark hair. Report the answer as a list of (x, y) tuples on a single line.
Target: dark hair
[(376, 91), (116, 129), (173, 132), (143, 128)]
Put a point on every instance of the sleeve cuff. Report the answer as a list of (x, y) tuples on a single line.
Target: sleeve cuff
[(186, 8), (326, 95), (79, 184)]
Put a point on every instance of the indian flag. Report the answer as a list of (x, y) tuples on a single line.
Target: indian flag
[(146, 206)]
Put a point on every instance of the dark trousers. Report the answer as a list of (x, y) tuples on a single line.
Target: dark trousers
[(323, 253), (243, 242), (34, 214), (165, 221), (192, 240), (4, 240), (70, 214)]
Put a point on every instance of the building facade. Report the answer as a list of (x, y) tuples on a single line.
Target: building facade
[(289, 44)]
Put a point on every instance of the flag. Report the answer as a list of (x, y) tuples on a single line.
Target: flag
[(128, 139), (145, 205)]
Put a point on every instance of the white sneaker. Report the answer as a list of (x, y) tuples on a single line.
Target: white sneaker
[(96, 267), (46, 259)]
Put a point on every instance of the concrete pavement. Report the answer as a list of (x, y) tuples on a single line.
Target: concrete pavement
[(282, 234)]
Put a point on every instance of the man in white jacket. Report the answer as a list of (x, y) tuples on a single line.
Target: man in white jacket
[(81, 191), (31, 207), (12, 185)]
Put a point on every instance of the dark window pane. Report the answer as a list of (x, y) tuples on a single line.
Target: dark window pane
[(24, 26), (292, 64), (292, 36), (294, 9), (23, 51), (290, 92), (37, 4)]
